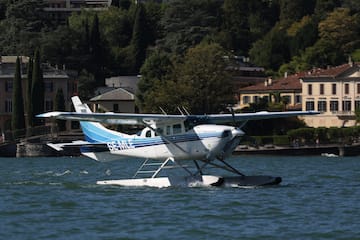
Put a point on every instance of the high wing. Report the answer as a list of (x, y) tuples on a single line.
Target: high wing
[(133, 118)]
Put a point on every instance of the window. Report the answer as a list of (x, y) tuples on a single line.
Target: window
[(176, 128), (322, 106), (116, 107), (310, 89), (322, 89), (255, 99), (333, 88), (8, 105), (168, 130), (357, 105), (246, 99), (297, 99), (334, 106), (49, 87), (8, 86), (346, 105), (310, 106), (358, 88), (48, 105), (346, 88)]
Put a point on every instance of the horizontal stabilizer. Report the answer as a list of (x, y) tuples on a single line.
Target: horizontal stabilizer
[(79, 143)]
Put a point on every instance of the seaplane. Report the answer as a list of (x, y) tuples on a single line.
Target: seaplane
[(192, 143)]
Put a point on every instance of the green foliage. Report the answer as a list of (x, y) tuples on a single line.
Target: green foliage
[(37, 90), (282, 36), (325, 135), (340, 28), (17, 117), (304, 134), (187, 23), (198, 82), (139, 39), (272, 50), (155, 69), (28, 93), (294, 10), (86, 85), (356, 55)]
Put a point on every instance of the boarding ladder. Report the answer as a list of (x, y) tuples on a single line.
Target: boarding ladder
[(151, 168)]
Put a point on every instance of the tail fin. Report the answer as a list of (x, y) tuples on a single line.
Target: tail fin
[(95, 132)]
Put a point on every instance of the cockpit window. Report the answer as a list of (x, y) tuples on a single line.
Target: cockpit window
[(176, 128), (168, 130), (148, 133), (226, 133)]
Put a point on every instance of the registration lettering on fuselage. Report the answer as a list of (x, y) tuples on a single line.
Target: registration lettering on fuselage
[(120, 145)]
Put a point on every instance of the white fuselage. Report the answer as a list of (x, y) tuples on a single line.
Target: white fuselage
[(203, 141)]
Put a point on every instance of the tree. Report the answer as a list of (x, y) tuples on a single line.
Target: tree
[(155, 69), (187, 23), (17, 117), (199, 82), (294, 10), (139, 39), (97, 62), (37, 90), (87, 85), (28, 93), (236, 24), (341, 29), (60, 106), (272, 50), (20, 32)]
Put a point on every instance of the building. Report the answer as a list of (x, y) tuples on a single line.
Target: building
[(288, 87), (117, 96), (116, 100), (128, 83), (59, 10), (335, 92), (54, 79)]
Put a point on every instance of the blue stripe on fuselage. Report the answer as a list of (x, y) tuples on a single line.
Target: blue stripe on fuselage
[(95, 134)]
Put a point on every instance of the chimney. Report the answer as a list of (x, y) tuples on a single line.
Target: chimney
[(270, 81), (350, 62), (266, 82), (285, 74)]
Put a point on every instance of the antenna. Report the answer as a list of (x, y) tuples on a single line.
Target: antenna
[(180, 111), (162, 110), (185, 110)]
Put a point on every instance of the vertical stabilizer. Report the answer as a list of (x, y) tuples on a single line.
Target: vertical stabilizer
[(95, 132)]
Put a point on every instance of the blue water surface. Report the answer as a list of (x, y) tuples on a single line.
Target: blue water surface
[(57, 198)]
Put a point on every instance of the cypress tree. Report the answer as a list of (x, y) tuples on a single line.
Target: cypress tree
[(96, 52), (37, 90), (28, 93), (60, 106), (139, 41), (17, 118)]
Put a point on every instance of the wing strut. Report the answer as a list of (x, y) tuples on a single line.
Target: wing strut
[(165, 138)]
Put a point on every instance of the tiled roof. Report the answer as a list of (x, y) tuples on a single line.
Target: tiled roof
[(330, 71), (292, 82), (289, 83)]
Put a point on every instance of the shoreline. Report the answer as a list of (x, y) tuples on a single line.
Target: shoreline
[(42, 150), (323, 149)]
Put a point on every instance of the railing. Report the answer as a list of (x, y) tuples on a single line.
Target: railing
[(28, 133)]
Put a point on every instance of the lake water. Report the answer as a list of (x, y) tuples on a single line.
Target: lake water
[(57, 198)]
